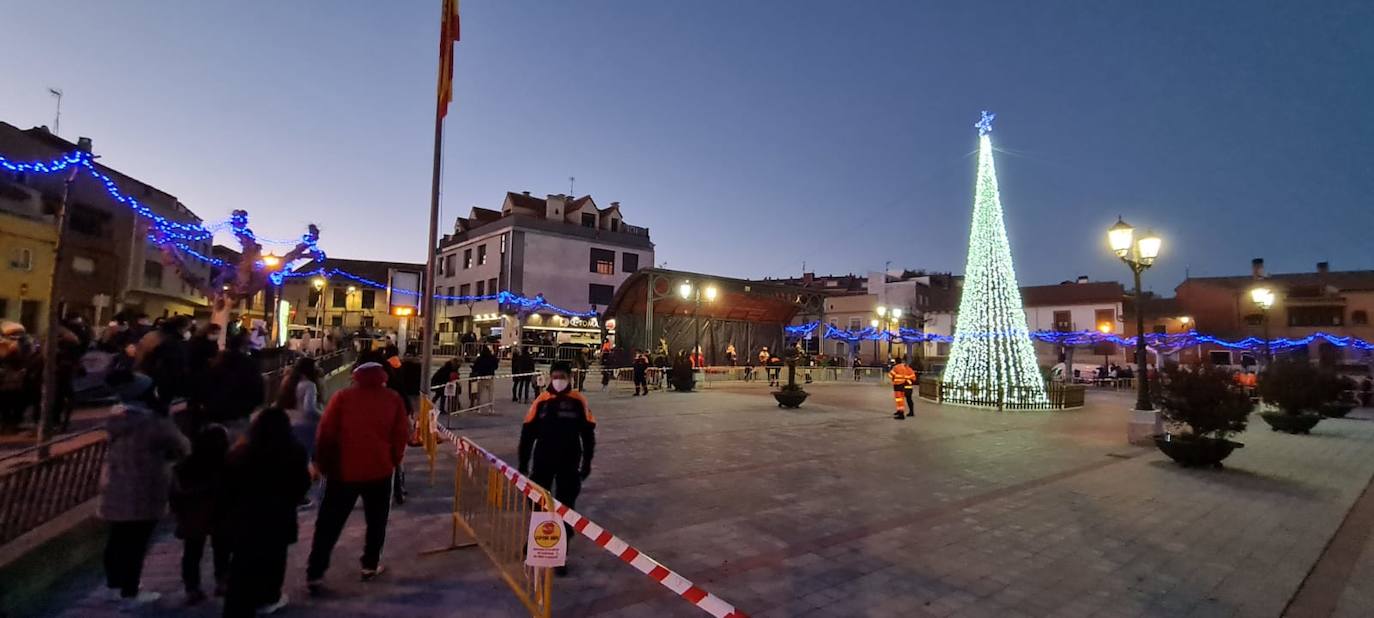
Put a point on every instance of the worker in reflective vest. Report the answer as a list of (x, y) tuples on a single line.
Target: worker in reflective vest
[(903, 380)]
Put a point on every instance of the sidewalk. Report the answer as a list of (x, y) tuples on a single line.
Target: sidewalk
[(837, 510)]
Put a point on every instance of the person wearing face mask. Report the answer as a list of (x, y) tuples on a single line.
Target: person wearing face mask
[(559, 436)]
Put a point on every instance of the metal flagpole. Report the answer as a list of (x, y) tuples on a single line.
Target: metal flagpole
[(432, 241)]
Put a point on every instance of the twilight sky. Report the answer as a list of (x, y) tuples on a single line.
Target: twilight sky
[(748, 136)]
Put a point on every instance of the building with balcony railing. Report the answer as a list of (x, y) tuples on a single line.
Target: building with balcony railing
[(567, 249)]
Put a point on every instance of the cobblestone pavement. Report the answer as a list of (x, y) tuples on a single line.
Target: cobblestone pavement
[(835, 509)]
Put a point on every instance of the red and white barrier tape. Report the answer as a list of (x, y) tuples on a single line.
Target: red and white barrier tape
[(680, 585)]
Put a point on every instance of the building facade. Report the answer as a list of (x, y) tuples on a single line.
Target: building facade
[(26, 262), (572, 252), (108, 262), (349, 304)]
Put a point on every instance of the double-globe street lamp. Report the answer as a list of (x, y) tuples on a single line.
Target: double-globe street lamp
[(887, 318), (696, 294), (1139, 254), (318, 282), (1264, 299)]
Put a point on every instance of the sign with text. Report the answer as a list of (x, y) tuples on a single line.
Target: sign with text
[(548, 542)]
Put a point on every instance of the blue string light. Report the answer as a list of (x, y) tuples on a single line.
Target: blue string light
[(1168, 342), (175, 235)]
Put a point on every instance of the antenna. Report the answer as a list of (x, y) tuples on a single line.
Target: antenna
[(571, 181), (57, 121)]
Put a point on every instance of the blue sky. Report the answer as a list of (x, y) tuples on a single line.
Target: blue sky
[(749, 136)]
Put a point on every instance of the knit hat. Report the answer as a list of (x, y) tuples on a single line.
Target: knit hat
[(562, 365)]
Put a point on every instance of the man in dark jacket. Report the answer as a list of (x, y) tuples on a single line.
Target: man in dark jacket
[(483, 367), (559, 435), (235, 387), (361, 440), (168, 362)]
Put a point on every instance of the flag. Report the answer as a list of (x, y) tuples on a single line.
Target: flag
[(448, 35)]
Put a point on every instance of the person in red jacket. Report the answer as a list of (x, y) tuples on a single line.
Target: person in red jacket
[(361, 440)]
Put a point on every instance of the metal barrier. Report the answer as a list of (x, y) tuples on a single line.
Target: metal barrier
[(36, 489), (494, 512), (1059, 396)]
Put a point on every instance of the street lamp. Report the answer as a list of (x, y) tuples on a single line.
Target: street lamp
[(318, 282), (349, 292), (1105, 329), (1139, 256), (874, 324), (693, 293), (1264, 299)]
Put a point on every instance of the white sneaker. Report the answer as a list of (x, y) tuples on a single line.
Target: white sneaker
[(268, 610), (143, 598)]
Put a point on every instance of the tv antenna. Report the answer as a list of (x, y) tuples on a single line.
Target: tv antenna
[(57, 121), (572, 180)]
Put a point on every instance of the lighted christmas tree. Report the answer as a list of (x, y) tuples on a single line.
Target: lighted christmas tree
[(992, 359)]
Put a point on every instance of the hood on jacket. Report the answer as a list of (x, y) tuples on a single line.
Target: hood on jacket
[(127, 418), (370, 375)]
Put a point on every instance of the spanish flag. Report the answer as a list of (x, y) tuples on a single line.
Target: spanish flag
[(448, 35)]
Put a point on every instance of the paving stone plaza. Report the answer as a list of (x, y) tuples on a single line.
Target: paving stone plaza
[(835, 509)]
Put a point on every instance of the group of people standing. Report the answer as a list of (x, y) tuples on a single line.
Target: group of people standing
[(236, 470)]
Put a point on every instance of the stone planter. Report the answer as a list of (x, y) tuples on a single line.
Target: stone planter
[(790, 399), (1190, 451), (1337, 409), (1291, 423)]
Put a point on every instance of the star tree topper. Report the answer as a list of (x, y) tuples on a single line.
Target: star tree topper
[(984, 124)]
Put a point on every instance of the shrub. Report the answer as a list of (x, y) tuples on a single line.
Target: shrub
[(1205, 401), (1298, 387)]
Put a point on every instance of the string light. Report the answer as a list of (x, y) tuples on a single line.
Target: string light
[(174, 235), (992, 353)]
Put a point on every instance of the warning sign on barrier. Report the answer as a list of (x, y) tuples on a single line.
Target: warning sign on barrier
[(548, 542)]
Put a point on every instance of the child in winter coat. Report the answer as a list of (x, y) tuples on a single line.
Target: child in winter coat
[(196, 484)]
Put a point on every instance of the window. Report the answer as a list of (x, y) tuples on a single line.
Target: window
[(465, 290), (1315, 316), (367, 322), (1359, 317), (448, 264), (1104, 316), (1219, 357), (467, 259), (481, 288), (1063, 322), (21, 259), (449, 300), (615, 225), (941, 348), (588, 220), (481, 255), (603, 261), (336, 320), (1160, 329), (503, 244), (314, 298), (88, 221), (854, 324), (152, 274), (629, 262), (369, 299), (340, 300), (598, 294), (491, 285), (83, 265)]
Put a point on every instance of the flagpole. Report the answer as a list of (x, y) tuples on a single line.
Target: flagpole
[(427, 296)]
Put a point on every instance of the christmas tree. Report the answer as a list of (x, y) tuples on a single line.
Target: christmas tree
[(992, 359)]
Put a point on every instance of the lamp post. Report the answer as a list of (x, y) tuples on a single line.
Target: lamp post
[(1264, 299), (1139, 255), (874, 324), (695, 293), (887, 319), (270, 263), (352, 289), (1105, 329), (319, 308)]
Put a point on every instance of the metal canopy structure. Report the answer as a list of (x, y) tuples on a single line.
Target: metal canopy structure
[(648, 308)]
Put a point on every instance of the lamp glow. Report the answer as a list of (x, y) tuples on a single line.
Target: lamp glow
[(685, 290), (1148, 246), (319, 283), (1120, 236), (711, 292)]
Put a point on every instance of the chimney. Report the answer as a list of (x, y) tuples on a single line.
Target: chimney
[(525, 192), (807, 278), (615, 204), (1323, 268), (1257, 268), (1082, 278)]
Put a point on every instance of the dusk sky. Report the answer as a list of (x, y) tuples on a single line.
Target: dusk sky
[(748, 136)]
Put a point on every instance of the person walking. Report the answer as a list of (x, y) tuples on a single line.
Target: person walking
[(448, 373), (143, 445), (197, 483), (522, 383), (301, 395), (559, 437), (265, 478), (858, 368), (483, 369), (903, 380), (641, 373), (235, 387), (361, 441), (774, 370), (580, 365)]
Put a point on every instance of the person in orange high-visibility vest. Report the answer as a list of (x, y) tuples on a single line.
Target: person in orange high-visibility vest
[(903, 380)]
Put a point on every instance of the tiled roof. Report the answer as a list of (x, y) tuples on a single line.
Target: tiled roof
[(1072, 294), (525, 201), (1339, 279), (370, 269)]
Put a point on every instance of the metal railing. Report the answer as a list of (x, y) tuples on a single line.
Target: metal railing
[(35, 489), (1058, 396), (494, 512)]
